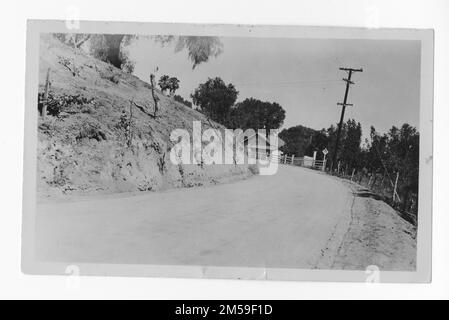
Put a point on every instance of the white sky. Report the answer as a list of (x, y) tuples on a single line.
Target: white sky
[(302, 75)]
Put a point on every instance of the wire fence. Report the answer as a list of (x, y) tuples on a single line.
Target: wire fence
[(386, 187)]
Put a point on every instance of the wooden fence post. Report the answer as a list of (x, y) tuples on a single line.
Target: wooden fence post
[(285, 158), (47, 88), (293, 157), (352, 175)]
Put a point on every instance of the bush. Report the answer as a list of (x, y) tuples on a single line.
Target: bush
[(90, 131), (58, 103), (125, 127)]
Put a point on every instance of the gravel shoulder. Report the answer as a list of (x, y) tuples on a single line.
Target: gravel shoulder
[(377, 236)]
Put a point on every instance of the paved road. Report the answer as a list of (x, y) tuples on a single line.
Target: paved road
[(296, 218)]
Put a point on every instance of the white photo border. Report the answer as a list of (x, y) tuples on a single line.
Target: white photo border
[(424, 232)]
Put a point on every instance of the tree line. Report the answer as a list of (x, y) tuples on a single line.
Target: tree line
[(379, 159), (217, 100)]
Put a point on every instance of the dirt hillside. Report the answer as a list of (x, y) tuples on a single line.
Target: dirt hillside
[(101, 136)]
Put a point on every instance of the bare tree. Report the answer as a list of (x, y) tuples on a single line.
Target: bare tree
[(45, 100), (155, 98)]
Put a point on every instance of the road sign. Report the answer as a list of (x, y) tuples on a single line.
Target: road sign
[(325, 151)]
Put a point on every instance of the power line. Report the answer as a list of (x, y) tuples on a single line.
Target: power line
[(287, 82)]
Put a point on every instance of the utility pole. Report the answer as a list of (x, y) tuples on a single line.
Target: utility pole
[(344, 104)]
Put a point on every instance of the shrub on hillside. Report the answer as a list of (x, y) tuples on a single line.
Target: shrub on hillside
[(89, 130), (59, 103)]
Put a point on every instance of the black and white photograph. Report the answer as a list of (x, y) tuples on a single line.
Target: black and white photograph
[(242, 152)]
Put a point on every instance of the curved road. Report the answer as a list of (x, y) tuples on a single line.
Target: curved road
[(295, 218)]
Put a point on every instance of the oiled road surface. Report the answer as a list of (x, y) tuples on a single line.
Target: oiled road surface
[(296, 218)]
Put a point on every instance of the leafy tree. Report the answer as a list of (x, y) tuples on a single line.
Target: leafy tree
[(255, 114), (168, 83), (215, 99), (397, 151), (173, 85), (403, 148), (318, 142), (350, 150), (297, 140), (376, 151), (331, 133), (164, 83), (301, 141), (274, 115)]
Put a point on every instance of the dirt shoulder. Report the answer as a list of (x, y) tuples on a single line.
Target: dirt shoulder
[(377, 235)]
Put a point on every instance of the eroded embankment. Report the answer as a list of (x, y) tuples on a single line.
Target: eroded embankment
[(102, 134)]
